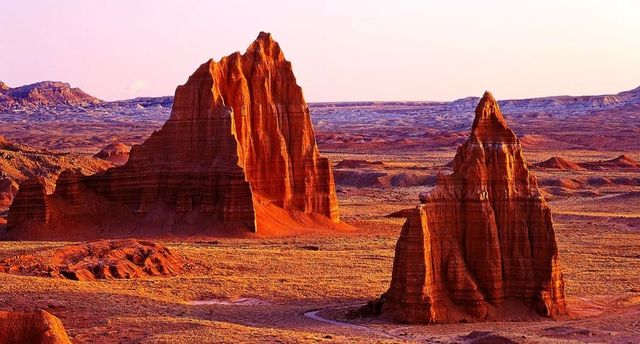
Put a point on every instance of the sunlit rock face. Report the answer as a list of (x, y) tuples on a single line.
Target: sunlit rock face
[(239, 142), (482, 245)]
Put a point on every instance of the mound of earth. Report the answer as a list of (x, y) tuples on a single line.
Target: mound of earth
[(355, 163), (558, 163), (485, 337), (572, 184), (31, 328), (381, 179), (621, 163), (117, 153), (117, 259)]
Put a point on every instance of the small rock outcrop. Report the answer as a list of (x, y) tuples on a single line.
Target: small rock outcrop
[(34, 328), (237, 154), (8, 190), (482, 245), (117, 153), (117, 259)]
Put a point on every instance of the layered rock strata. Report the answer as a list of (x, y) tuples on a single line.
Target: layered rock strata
[(239, 143), (482, 245)]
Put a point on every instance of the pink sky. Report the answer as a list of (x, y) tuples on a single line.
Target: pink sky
[(340, 50)]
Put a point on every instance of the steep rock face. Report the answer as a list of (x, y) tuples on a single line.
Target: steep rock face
[(238, 143), (30, 204), (482, 245), (37, 328)]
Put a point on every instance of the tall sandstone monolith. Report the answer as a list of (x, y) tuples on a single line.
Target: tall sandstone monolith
[(238, 154), (482, 245)]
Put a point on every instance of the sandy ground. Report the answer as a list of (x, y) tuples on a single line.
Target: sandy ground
[(259, 290)]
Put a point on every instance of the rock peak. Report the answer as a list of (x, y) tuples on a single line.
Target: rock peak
[(265, 36), (265, 46), (489, 125), (482, 241)]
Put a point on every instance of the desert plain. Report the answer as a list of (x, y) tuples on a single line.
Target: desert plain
[(307, 287)]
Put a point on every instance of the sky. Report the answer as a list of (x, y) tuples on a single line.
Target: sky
[(343, 50)]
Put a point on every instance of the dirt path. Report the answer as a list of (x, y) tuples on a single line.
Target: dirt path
[(313, 314)]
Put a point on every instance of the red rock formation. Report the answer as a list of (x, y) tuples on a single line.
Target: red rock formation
[(117, 153), (482, 246), (122, 259), (34, 328), (8, 189), (239, 142), (30, 204)]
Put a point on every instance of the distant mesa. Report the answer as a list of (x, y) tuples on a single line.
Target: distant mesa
[(482, 246), (119, 259), (356, 163), (38, 327), (237, 156), (117, 153), (43, 94)]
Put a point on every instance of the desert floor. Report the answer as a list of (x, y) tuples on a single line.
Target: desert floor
[(299, 289)]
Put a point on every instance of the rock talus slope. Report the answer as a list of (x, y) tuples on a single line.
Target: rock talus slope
[(239, 144), (482, 245)]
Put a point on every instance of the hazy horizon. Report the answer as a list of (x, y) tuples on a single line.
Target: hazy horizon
[(340, 51)]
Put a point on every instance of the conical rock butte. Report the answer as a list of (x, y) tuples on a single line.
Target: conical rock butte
[(482, 246)]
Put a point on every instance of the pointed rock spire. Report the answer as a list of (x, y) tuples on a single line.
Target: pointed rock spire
[(489, 125), (482, 246)]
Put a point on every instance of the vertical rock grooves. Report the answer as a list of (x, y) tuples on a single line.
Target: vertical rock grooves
[(239, 138), (482, 246)]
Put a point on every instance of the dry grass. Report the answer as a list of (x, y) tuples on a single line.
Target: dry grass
[(600, 254)]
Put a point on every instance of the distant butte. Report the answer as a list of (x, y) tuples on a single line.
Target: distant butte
[(43, 94), (238, 155), (482, 246)]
